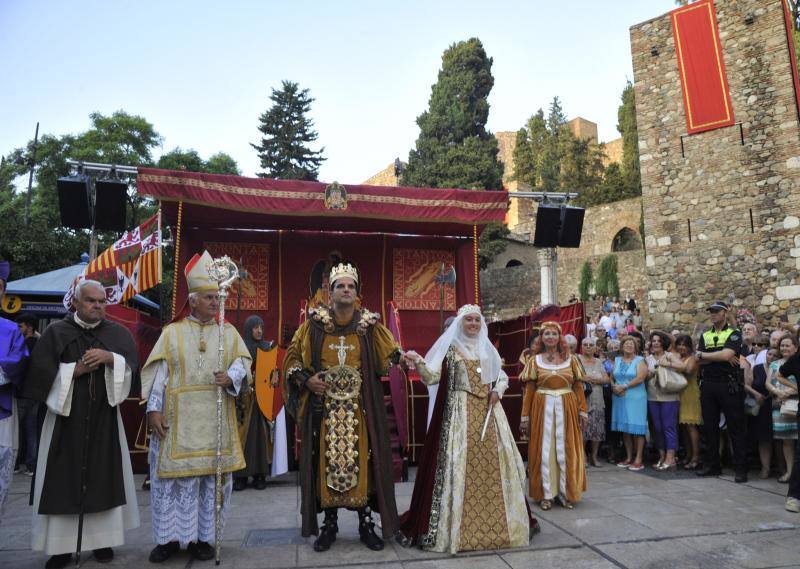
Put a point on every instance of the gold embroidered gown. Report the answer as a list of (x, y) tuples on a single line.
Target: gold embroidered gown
[(479, 494), (553, 401)]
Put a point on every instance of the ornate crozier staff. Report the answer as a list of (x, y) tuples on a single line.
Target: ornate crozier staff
[(224, 271)]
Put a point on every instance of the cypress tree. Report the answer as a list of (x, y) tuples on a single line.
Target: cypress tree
[(586, 281), (454, 149)]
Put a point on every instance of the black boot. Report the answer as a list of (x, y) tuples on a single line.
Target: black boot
[(104, 555), (239, 483), (164, 551), (366, 529), (330, 527), (58, 561), (259, 481)]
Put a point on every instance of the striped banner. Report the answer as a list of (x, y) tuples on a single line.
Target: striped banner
[(130, 266)]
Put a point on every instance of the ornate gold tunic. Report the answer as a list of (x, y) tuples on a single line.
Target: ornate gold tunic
[(344, 448)]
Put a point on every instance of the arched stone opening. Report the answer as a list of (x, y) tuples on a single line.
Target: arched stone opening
[(626, 239), (514, 263)]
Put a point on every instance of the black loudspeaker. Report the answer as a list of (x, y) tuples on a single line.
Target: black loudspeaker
[(73, 201), (110, 199), (558, 226)]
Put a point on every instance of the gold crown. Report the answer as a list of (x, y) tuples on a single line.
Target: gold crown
[(469, 309), (343, 270)]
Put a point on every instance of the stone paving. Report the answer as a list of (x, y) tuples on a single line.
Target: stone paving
[(626, 519)]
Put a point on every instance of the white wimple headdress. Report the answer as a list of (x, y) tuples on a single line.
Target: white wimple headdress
[(479, 347)]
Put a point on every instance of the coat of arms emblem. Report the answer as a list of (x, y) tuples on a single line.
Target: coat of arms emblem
[(336, 196)]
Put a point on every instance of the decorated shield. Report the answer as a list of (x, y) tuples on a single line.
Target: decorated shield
[(267, 371)]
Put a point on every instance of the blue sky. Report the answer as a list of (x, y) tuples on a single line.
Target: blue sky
[(202, 71)]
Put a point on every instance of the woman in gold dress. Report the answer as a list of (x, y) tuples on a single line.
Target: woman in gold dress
[(554, 416), (476, 500)]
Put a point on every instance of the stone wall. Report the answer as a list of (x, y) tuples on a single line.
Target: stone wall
[(721, 216), (385, 177), (583, 129), (512, 295), (509, 292), (613, 151)]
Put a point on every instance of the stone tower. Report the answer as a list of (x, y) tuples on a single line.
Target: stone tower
[(721, 207)]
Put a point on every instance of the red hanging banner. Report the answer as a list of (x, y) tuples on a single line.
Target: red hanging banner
[(706, 97)]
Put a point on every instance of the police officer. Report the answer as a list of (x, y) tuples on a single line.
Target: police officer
[(722, 390)]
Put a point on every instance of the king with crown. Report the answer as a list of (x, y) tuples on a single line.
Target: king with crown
[(334, 392)]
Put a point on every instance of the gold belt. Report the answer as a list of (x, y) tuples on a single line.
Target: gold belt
[(555, 392), (341, 439)]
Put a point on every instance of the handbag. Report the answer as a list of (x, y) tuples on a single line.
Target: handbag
[(669, 380), (789, 408)]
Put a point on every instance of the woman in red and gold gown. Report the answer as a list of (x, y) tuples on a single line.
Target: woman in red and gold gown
[(554, 416)]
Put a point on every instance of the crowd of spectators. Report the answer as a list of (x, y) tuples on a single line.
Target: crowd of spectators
[(649, 386)]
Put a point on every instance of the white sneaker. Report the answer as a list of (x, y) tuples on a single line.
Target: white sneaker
[(793, 505)]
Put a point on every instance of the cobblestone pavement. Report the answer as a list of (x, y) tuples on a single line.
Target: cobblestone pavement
[(626, 519)]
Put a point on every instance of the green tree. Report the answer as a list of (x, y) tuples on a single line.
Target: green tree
[(554, 148), (586, 281), (287, 132), (612, 188), (190, 160), (531, 140), (221, 163), (549, 158), (626, 125), (581, 164), (491, 243), (44, 245), (178, 159), (454, 149), (607, 281)]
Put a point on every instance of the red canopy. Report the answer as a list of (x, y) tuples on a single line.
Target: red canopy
[(262, 203)]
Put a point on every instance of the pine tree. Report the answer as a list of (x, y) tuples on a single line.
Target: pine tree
[(581, 164), (586, 281), (626, 125), (454, 149), (287, 131), (528, 150), (553, 149)]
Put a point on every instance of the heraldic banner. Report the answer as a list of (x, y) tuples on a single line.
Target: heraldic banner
[(414, 284), (706, 97), (253, 262), (130, 266)]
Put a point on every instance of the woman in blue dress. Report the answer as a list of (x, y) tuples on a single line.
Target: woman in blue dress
[(629, 402)]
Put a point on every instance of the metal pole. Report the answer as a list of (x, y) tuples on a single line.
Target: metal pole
[(30, 176), (554, 275), (93, 234)]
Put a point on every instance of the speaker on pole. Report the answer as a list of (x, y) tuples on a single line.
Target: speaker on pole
[(74, 202), (110, 199), (558, 226)]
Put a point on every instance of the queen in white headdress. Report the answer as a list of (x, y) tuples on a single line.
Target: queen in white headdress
[(469, 494)]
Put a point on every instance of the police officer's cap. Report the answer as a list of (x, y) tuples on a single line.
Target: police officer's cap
[(718, 305)]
